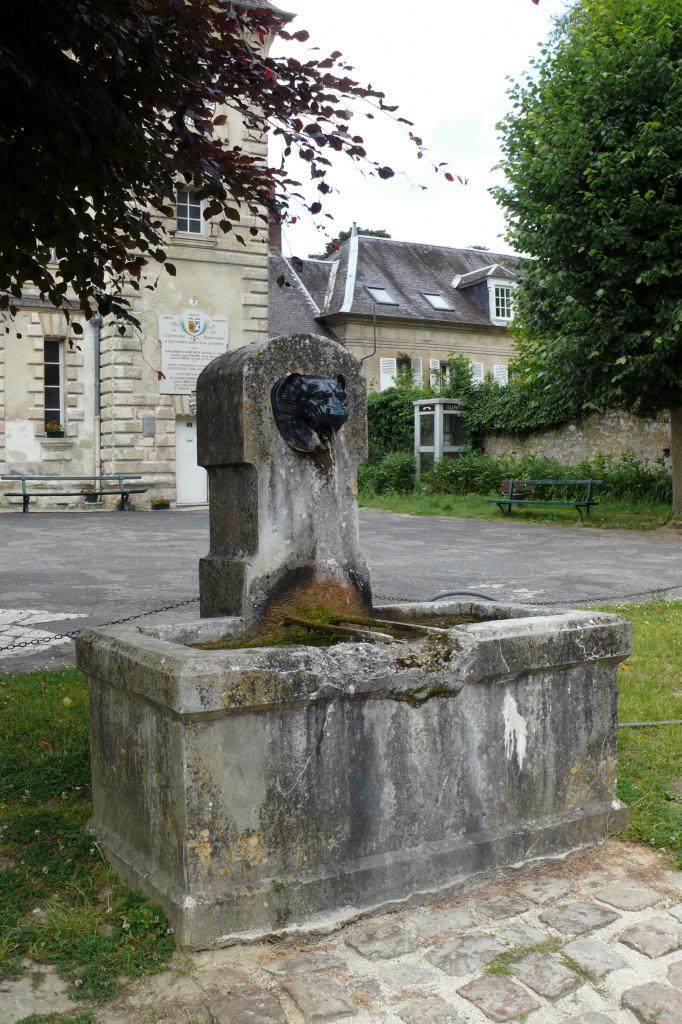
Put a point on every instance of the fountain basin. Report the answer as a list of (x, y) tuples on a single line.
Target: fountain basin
[(284, 790)]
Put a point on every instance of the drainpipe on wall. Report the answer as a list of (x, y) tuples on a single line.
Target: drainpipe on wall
[(96, 339)]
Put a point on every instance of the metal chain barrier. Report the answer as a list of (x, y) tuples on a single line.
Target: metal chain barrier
[(37, 641), (599, 599)]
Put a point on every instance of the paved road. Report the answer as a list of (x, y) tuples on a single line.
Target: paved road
[(61, 571)]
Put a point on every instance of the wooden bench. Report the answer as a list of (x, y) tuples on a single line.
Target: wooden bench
[(583, 500), (89, 484)]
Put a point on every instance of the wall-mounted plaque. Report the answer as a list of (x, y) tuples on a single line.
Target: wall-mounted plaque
[(188, 343)]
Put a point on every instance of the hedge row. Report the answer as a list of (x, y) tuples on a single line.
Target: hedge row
[(473, 473)]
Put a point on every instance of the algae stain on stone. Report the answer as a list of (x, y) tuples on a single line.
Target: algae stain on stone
[(515, 731), (280, 892)]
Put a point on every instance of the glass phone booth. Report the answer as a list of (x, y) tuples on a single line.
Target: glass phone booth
[(438, 431)]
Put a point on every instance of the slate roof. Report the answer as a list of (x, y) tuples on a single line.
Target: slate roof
[(293, 310), (408, 270), (323, 291)]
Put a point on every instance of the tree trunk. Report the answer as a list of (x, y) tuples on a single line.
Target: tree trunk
[(676, 452)]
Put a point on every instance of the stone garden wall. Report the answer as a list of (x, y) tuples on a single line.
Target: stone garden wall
[(610, 433)]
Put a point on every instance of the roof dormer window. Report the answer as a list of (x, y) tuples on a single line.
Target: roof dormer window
[(437, 301), (502, 302), (380, 296)]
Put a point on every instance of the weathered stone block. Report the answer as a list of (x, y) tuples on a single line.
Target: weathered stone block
[(462, 956), (499, 907), (545, 891), (283, 523), (499, 997), (594, 956), (546, 976), (448, 919), (628, 897), (654, 1003), (576, 918), (382, 941), (428, 1010), (655, 937), (520, 934), (321, 1000), (259, 790)]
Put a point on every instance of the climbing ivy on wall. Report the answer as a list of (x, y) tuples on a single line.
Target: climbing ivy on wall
[(520, 407)]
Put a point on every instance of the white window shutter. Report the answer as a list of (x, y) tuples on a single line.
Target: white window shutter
[(501, 373), (477, 373), (434, 373), (388, 371), (417, 375)]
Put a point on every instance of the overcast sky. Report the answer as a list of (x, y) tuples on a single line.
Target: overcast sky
[(445, 62)]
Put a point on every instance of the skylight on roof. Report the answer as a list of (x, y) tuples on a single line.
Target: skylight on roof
[(437, 300), (381, 296)]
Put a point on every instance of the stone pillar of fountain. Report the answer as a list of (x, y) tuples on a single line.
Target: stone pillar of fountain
[(281, 429)]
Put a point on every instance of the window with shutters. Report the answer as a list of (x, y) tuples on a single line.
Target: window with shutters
[(501, 373), (53, 387), (388, 372), (439, 373), (477, 374)]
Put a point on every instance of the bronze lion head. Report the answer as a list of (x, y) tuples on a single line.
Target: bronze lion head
[(309, 410)]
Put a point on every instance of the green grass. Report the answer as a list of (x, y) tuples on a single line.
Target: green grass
[(59, 1018), (60, 903), (610, 514), (650, 760)]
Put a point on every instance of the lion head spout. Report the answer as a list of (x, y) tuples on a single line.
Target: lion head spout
[(309, 410)]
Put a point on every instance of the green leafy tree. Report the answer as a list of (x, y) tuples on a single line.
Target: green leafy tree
[(335, 243), (592, 152)]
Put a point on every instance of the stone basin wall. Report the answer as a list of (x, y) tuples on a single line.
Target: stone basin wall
[(276, 790)]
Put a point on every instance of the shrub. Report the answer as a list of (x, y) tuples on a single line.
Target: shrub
[(628, 478), (390, 421), (475, 473), (395, 472), (470, 473)]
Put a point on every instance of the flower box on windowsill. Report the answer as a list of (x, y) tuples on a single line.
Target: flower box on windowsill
[(55, 433)]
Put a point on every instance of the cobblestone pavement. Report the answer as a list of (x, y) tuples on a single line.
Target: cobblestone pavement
[(595, 939)]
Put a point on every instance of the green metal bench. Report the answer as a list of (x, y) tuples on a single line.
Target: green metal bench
[(583, 500), (123, 490)]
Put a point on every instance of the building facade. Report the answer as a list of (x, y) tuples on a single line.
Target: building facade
[(108, 403), (402, 306)]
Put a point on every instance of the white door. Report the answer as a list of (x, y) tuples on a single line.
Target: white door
[(191, 480)]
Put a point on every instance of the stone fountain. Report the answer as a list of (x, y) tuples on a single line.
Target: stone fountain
[(298, 757)]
